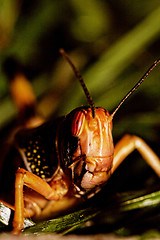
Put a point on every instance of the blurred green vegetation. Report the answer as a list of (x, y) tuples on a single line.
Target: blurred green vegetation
[(112, 42)]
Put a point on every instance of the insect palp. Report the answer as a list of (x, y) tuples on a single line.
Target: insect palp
[(79, 77), (135, 87)]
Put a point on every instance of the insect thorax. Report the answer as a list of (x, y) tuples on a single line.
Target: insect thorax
[(38, 151)]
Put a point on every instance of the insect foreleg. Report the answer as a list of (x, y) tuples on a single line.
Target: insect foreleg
[(127, 145), (34, 182)]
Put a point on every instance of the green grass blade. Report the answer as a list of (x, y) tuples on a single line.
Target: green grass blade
[(74, 220), (66, 223)]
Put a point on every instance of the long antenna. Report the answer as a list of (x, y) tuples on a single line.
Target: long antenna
[(135, 87), (78, 75)]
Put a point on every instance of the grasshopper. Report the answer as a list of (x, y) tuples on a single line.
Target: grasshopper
[(61, 162)]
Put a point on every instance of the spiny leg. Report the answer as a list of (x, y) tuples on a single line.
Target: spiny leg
[(127, 145)]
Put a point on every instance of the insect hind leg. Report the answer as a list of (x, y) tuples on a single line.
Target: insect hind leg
[(21, 90)]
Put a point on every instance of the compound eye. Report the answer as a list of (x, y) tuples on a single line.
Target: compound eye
[(77, 123)]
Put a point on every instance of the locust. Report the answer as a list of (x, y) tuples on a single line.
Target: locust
[(62, 162)]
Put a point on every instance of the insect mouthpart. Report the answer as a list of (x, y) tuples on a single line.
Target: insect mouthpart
[(88, 174), (99, 163)]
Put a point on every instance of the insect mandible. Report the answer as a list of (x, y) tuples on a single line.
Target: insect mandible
[(63, 161)]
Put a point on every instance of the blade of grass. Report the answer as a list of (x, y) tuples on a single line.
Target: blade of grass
[(75, 220), (149, 200), (66, 223), (70, 222)]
